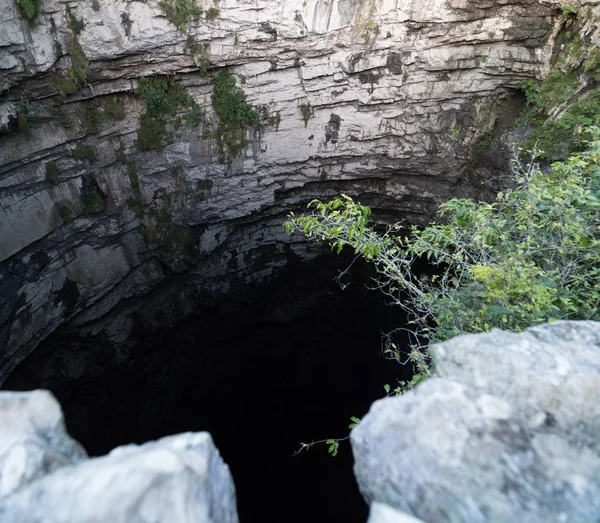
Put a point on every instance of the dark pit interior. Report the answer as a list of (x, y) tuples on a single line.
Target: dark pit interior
[(277, 364)]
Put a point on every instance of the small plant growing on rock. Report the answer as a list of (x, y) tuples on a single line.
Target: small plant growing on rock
[(163, 97), (307, 112), (52, 172), (92, 202), (212, 13), (65, 212), (114, 108), (76, 25), (85, 152), (126, 22), (180, 12), (235, 116), (27, 115), (92, 117), (30, 9), (200, 52)]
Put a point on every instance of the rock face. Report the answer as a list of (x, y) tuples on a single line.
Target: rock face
[(505, 431), (178, 478), (33, 440), (402, 104)]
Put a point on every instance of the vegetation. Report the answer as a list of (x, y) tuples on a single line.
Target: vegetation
[(27, 115), (75, 24), (92, 201), (163, 97), (235, 116), (92, 117), (180, 12), (66, 214), (85, 152), (532, 256), (126, 22), (307, 112), (114, 108), (200, 52), (30, 9), (212, 13), (77, 75), (135, 202), (52, 172)]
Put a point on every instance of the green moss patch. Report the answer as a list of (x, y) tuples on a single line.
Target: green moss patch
[(29, 9), (235, 116), (85, 152), (180, 12), (164, 98), (52, 172)]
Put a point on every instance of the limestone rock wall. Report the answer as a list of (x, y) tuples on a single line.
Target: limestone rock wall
[(506, 430), (401, 103)]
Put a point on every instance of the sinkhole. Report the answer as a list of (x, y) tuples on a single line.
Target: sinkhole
[(286, 361)]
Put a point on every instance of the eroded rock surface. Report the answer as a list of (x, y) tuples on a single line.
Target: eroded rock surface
[(505, 431), (178, 478), (33, 439), (401, 104)]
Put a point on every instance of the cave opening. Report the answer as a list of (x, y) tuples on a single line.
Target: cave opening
[(286, 361)]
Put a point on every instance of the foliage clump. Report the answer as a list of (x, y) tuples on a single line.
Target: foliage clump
[(76, 77), (92, 201), (200, 53), (531, 256), (30, 9), (235, 116), (27, 115), (52, 172), (307, 112), (180, 12), (212, 13), (85, 152), (92, 117), (76, 25), (65, 212), (164, 97)]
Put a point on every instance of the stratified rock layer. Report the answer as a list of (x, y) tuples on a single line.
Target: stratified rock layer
[(402, 104), (505, 431)]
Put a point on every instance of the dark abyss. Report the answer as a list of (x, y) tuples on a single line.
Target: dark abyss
[(276, 364)]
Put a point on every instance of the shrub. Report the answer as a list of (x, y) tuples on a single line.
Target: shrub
[(75, 24), (27, 115), (235, 116), (180, 12), (65, 212), (212, 13), (307, 112), (52, 172), (532, 256), (92, 117), (30, 9), (85, 152), (163, 97)]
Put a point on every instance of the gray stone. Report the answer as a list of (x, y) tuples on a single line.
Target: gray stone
[(33, 439), (381, 513), (179, 478), (506, 433)]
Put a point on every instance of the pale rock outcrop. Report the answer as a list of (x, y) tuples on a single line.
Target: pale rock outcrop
[(392, 102), (33, 439), (505, 431), (45, 478)]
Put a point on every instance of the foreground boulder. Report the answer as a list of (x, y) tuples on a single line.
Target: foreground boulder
[(179, 478), (33, 439), (507, 430)]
